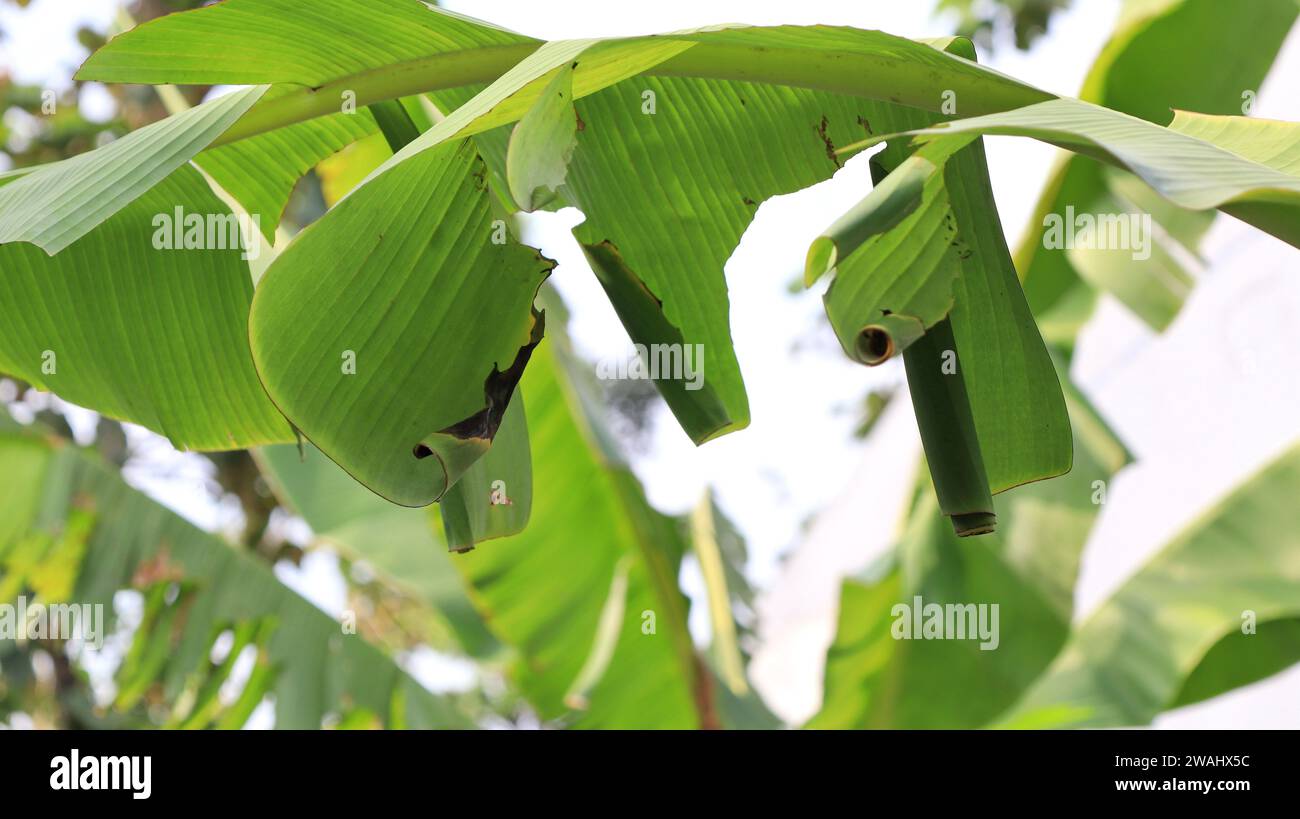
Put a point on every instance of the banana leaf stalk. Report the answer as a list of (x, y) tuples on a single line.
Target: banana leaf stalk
[(395, 123), (947, 427)]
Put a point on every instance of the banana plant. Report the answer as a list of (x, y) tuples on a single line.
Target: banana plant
[(1061, 283), (377, 333), (401, 335), (1058, 673), (1215, 609), (583, 608), (437, 347)]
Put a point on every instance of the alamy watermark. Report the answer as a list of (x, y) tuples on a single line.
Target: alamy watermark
[(75, 772), (53, 621), (953, 621), (207, 231), (1099, 231), (657, 362)]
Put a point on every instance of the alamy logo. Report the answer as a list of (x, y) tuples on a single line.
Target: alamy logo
[(54, 621), (1099, 231), (102, 773), (954, 621), (658, 362), (207, 231)]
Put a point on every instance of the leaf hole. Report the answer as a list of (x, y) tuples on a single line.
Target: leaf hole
[(875, 346)]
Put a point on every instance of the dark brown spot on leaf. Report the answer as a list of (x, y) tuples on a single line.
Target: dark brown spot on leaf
[(826, 140)]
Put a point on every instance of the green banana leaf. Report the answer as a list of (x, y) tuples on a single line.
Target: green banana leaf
[(583, 656), (598, 622), (55, 205), (494, 497), (896, 278), (1269, 142), (426, 424), (401, 378), (260, 172), (1190, 171), (281, 40), (720, 550), (542, 143), (1028, 569), (155, 337), (1176, 631), (1175, 36), (603, 641), (383, 453), (665, 297), (345, 46)]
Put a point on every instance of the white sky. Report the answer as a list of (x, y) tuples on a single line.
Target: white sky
[(1216, 368)]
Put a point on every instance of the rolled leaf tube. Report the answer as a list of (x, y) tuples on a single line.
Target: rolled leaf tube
[(947, 426), (880, 340), (892, 285), (892, 198)]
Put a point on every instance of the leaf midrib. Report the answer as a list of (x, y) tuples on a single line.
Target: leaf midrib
[(876, 76)]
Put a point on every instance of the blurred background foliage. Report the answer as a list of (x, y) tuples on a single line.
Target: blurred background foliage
[(984, 20)]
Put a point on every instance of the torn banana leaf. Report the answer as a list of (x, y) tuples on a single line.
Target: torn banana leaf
[(393, 330), (495, 496), (595, 651), (669, 173), (120, 324), (444, 50), (1180, 630), (701, 412), (305, 661), (894, 276), (948, 257), (605, 643)]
